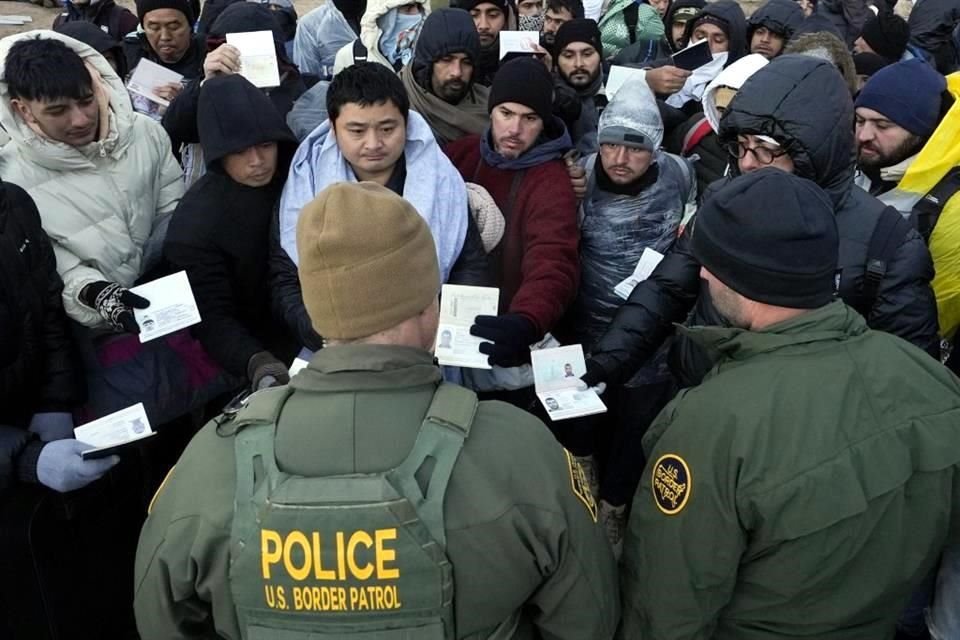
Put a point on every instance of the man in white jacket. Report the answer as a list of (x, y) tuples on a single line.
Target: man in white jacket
[(103, 177)]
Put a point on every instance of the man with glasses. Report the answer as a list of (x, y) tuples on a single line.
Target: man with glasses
[(884, 269)]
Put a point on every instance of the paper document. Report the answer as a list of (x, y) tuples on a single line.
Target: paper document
[(518, 42), (556, 380), (459, 306), (113, 431), (619, 76), (299, 364), (693, 57), (172, 306), (649, 260), (258, 57), (150, 75)]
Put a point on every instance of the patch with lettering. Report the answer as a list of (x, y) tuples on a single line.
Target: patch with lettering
[(580, 485), (672, 483)]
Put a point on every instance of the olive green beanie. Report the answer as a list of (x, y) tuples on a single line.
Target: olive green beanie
[(367, 260)]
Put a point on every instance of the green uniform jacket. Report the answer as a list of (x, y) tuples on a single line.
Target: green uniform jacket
[(517, 533), (801, 491)]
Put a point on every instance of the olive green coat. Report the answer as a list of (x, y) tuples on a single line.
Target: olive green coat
[(517, 533), (803, 490)]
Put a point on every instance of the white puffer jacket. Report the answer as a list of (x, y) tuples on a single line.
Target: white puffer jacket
[(370, 32), (106, 205)]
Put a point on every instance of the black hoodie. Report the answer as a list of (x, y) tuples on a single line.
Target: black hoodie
[(672, 11), (89, 34), (180, 119), (731, 14), (932, 23), (783, 17), (776, 101), (444, 32), (220, 231)]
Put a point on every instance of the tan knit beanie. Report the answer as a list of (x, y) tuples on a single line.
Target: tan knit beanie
[(367, 260)]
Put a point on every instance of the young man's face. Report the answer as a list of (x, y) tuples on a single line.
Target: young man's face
[(880, 142), (579, 64), (714, 35), (807, 7), (67, 120), (254, 166), (767, 43), (168, 33), (677, 29), (489, 20), (514, 128), (529, 7), (451, 77), (553, 20), (623, 164), (758, 154), (371, 138), (660, 6)]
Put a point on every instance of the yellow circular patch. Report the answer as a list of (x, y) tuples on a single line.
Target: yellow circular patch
[(671, 483)]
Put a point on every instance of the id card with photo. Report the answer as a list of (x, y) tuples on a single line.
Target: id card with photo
[(111, 432), (459, 307), (172, 306), (556, 380)]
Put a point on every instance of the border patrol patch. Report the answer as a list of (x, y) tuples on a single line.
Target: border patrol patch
[(671, 483), (580, 486)]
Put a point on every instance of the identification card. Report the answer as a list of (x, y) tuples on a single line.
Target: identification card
[(109, 433), (556, 381), (518, 42), (459, 307), (150, 75), (258, 57), (172, 306)]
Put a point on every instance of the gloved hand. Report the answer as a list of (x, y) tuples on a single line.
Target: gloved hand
[(594, 375), (52, 426), (61, 467), (114, 304), (264, 370), (510, 335)]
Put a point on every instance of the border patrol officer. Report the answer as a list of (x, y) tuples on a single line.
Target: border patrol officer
[(807, 486), (366, 497)]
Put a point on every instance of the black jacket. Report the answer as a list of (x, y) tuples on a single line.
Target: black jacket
[(136, 47), (780, 16), (219, 232), (821, 145), (39, 366), (89, 33), (671, 12), (932, 23), (730, 12), (180, 119), (848, 16), (106, 14)]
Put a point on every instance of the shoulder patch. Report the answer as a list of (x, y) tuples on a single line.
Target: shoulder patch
[(580, 486), (671, 483)]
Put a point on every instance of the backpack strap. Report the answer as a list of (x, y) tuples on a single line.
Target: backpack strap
[(359, 51), (695, 135), (927, 211), (447, 424), (631, 17), (887, 236)]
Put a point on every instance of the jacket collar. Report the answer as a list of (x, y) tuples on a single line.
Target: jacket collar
[(361, 367), (833, 322)]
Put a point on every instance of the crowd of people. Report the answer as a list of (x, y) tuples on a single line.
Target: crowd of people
[(780, 455)]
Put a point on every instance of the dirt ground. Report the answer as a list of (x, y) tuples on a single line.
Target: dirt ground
[(43, 18)]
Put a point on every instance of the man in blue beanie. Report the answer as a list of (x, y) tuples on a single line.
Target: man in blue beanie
[(896, 113)]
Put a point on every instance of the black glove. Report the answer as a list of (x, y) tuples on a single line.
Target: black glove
[(594, 375), (114, 304), (566, 105), (264, 370), (510, 338)]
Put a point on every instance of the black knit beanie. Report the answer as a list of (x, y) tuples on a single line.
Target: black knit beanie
[(582, 30), (770, 236), (146, 6), (887, 34), (470, 5), (524, 81)]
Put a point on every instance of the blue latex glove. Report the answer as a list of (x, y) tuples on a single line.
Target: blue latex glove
[(52, 426), (61, 467)]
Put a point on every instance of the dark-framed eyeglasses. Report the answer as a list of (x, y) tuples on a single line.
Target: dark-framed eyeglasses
[(763, 155)]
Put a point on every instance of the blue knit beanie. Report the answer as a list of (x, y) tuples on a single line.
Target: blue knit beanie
[(908, 94)]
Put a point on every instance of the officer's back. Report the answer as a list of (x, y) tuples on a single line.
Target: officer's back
[(327, 539)]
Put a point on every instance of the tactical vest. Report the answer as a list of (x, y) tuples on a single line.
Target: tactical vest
[(360, 556)]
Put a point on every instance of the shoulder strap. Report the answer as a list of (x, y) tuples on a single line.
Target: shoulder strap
[(447, 424), (695, 135), (927, 211), (359, 51), (631, 16), (887, 236)]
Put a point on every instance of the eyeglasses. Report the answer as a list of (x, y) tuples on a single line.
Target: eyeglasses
[(763, 155)]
